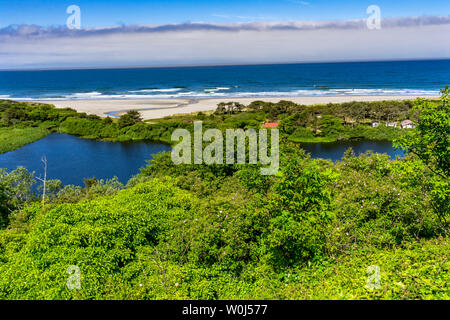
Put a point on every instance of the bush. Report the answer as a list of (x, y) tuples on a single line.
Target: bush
[(130, 118), (301, 212)]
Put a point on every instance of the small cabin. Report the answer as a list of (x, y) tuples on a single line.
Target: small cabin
[(375, 124), (271, 125), (408, 124), (391, 124)]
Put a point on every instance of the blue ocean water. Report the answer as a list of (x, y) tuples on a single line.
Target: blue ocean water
[(318, 79)]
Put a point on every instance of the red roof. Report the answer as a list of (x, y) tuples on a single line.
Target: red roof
[(271, 125)]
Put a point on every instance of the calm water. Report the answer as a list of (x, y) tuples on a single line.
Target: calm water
[(70, 159), (318, 79), (335, 150)]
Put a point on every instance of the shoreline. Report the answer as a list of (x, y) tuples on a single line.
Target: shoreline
[(159, 108)]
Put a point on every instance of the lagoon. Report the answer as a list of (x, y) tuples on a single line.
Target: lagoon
[(70, 158), (335, 150)]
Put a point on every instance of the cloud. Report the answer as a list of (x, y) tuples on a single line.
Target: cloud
[(303, 3), (37, 31), (29, 46), (239, 17)]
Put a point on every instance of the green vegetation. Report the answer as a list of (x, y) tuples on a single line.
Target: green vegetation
[(23, 123), (316, 230), (14, 138), (209, 231), (431, 143), (298, 123), (111, 131), (336, 132), (130, 118)]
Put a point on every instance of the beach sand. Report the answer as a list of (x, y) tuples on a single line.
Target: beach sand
[(156, 109)]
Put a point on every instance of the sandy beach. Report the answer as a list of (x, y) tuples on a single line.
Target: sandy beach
[(156, 109)]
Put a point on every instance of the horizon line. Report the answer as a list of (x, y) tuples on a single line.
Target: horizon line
[(218, 65)]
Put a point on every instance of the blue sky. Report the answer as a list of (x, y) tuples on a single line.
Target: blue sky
[(117, 12)]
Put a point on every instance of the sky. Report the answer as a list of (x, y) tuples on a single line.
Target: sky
[(117, 12), (33, 33)]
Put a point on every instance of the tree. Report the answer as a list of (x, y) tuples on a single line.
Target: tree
[(229, 107), (14, 114), (256, 106), (130, 118), (301, 212), (15, 192), (89, 182), (331, 126), (239, 107), (220, 108), (431, 139), (107, 120), (5, 206), (430, 142), (44, 181), (52, 188)]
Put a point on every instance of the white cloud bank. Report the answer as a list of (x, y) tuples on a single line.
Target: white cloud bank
[(226, 43)]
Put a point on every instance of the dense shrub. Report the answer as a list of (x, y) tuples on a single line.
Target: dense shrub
[(129, 118), (300, 212)]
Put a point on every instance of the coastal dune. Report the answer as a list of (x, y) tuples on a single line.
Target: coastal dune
[(156, 109)]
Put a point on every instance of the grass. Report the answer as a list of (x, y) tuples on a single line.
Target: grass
[(312, 139), (14, 138), (381, 133)]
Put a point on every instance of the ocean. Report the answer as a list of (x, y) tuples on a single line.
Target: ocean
[(316, 79)]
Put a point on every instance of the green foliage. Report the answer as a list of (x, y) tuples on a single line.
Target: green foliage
[(93, 188), (251, 178), (301, 212), (430, 142), (105, 238), (107, 120), (129, 118), (420, 271), (16, 112), (380, 203), (15, 192), (110, 131), (156, 241), (14, 138), (52, 188), (331, 126), (334, 131), (431, 139), (23, 123), (89, 128), (103, 188), (229, 108)]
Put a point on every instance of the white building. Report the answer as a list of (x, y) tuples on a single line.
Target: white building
[(408, 124)]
